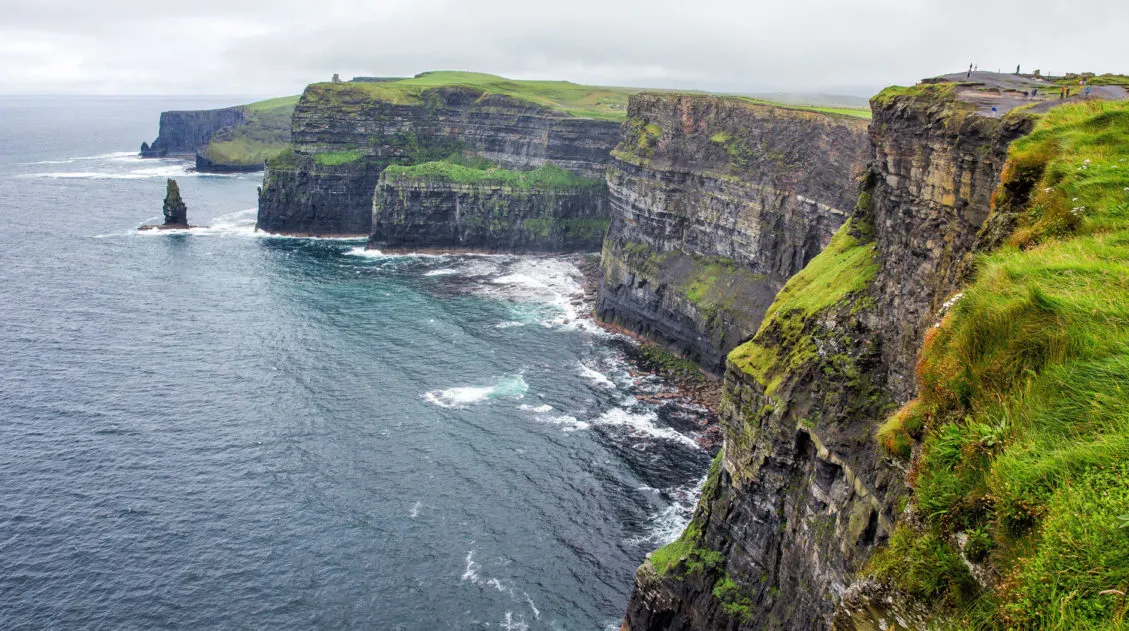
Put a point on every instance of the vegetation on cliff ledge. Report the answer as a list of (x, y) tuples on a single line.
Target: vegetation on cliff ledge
[(547, 176), (844, 268), (1022, 414)]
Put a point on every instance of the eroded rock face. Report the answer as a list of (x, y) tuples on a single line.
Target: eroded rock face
[(805, 494), (312, 190), (704, 188), (175, 210), (413, 213), (183, 133)]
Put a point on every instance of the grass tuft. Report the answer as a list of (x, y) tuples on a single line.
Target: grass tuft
[(1024, 391)]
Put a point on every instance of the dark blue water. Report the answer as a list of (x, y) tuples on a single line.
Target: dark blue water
[(221, 430)]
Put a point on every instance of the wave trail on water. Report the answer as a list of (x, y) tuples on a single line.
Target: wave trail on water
[(596, 377), (667, 525), (643, 425), (512, 387)]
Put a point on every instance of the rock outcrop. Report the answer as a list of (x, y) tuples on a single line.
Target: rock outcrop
[(803, 494), (345, 134), (715, 202), (446, 206), (183, 133), (174, 209), (231, 139)]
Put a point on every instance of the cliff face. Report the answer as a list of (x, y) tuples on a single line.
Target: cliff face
[(803, 493), (231, 139), (430, 207), (344, 135), (715, 202), (185, 132)]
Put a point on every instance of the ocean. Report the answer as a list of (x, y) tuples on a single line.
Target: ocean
[(218, 429)]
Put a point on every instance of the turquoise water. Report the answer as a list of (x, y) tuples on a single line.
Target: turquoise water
[(217, 429)]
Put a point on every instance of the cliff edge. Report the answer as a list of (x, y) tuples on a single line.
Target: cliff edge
[(345, 134), (715, 202), (803, 494)]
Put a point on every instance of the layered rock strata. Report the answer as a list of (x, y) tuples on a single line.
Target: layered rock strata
[(174, 210), (715, 202), (183, 133), (344, 135), (231, 139), (803, 494), (420, 208)]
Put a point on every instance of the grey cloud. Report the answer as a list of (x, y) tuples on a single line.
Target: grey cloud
[(211, 46)]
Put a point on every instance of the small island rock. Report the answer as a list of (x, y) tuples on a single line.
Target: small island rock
[(175, 210)]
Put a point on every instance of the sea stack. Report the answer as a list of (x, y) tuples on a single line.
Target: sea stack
[(176, 212)]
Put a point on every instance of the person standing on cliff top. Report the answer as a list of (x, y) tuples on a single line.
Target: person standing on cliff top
[(1016, 68), (969, 75)]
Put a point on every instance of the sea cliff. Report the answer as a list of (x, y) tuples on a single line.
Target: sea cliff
[(715, 202), (454, 206), (230, 139), (345, 134), (803, 494)]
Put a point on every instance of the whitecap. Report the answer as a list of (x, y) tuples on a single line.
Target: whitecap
[(510, 624), (596, 377), (513, 387), (471, 571), (446, 271), (643, 425), (363, 251), (508, 324), (414, 512), (537, 409), (667, 525)]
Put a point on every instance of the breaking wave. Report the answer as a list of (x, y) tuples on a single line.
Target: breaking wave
[(507, 388)]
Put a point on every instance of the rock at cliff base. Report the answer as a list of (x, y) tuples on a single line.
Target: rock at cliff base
[(175, 210)]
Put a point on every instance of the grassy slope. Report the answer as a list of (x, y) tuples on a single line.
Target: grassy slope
[(844, 268), (1023, 409), (857, 112), (570, 98), (584, 101), (265, 134)]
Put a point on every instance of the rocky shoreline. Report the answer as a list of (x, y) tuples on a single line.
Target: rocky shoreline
[(686, 384)]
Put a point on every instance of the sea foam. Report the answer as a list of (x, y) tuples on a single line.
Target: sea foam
[(513, 387)]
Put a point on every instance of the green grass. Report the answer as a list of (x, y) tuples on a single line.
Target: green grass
[(609, 103), (846, 266), (338, 158), (856, 112), (264, 135), (583, 101), (733, 598), (544, 177), (284, 104), (1024, 388), (688, 554), (1102, 79)]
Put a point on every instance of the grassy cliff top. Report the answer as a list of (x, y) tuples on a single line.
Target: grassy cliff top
[(1022, 414), (273, 106), (582, 101), (856, 112)]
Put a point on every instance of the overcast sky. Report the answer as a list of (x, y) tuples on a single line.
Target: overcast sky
[(275, 47)]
